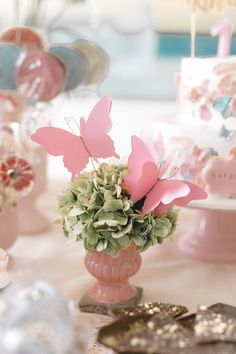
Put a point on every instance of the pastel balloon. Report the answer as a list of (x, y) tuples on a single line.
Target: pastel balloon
[(9, 54), (98, 61), (24, 37), (75, 65), (41, 75)]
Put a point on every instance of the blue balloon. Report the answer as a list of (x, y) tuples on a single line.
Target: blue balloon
[(9, 55), (75, 65)]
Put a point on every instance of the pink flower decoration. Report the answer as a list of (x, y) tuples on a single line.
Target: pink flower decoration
[(205, 112), (203, 98), (227, 85), (16, 173)]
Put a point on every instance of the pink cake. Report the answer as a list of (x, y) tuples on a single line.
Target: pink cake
[(206, 137)]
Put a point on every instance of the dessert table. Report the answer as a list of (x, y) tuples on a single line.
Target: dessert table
[(166, 275)]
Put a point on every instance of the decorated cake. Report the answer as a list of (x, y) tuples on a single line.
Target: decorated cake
[(206, 103), (206, 123)]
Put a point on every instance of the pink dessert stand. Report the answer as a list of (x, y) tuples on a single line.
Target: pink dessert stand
[(112, 288), (213, 238), (31, 219)]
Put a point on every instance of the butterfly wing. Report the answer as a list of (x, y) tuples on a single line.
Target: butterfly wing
[(165, 165), (165, 192), (222, 105), (226, 134), (147, 180), (59, 142), (195, 193), (94, 131), (140, 155)]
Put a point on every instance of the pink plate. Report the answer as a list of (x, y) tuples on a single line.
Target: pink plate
[(41, 76)]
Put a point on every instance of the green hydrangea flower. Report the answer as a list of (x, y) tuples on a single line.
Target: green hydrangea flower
[(97, 210)]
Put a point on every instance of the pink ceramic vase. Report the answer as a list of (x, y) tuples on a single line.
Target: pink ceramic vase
[(8, 229), (31, 219), (112, 275), (214, 237)]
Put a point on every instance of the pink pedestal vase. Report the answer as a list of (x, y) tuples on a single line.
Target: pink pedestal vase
[(8, 229), (112, 288), (31, 219), (213, 239)]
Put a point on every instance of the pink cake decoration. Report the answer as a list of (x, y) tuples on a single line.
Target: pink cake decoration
[(220, 175), (204, 97)]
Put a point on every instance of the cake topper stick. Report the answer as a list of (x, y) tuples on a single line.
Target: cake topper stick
[(224, 31), (193, 28)]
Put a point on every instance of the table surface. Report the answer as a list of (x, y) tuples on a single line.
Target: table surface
[(166, 274)]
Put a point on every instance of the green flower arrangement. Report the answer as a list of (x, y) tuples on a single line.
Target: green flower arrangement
[(96, 209), (114, 205)]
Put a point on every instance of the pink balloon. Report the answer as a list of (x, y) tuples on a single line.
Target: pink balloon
[(23, 37), (41, 76)]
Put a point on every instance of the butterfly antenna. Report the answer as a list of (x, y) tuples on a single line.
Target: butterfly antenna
[(174, 172), (77, 125), (68, 123), (92, 161), (162, 164)]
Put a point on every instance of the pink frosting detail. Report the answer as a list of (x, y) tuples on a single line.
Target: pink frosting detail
[(220, 176), (205, 112), (112, 274)]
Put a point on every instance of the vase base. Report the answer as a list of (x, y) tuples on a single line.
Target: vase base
[(87, 304)]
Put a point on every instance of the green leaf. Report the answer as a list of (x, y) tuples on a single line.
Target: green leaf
[(124, 241), (86, 217), (75, 211), (108, 195), (92, 237), (101, 245), (111, 223), (125, 230), (139, 240), (113, 205)]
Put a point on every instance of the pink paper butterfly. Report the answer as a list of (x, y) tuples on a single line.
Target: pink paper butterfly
[(145, 179), (76, 150)]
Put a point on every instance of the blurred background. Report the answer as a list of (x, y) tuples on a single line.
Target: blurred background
[(144, 39)]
